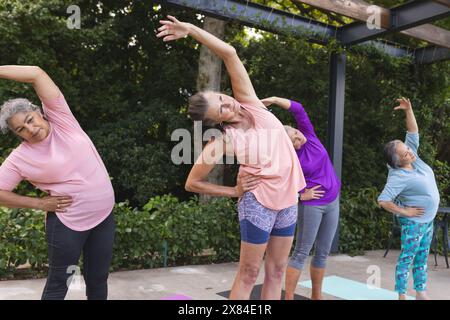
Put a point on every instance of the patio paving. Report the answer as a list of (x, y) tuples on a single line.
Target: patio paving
[(205, 282)]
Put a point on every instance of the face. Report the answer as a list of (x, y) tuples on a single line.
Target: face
[(298, 139), (30, 126), (222, 108), (405, 154)]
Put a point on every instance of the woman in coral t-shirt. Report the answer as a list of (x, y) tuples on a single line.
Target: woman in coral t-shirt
[(267, 208)]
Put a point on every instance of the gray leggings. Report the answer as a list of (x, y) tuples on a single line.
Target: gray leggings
[(315, 224)]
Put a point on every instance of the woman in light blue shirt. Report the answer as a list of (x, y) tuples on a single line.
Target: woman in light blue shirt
[(412, 194)]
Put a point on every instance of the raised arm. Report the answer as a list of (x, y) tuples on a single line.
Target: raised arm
[(282, 102), (42, 83), (243, 90), (411, 123), (301, 117)]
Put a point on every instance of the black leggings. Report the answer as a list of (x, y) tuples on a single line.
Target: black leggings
[(64, 250)]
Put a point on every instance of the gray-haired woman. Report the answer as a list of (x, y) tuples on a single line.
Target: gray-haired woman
[(58, 157), (412, 194)]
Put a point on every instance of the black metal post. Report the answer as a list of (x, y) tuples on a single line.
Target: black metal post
[(335, 136)]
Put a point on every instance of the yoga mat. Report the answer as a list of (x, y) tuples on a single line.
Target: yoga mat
[(353, 290), (256, 294)]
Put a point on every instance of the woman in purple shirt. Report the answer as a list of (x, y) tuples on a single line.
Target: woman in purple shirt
[(318, 212)]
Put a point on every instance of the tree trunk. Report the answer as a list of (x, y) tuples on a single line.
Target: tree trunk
[(209, 76)]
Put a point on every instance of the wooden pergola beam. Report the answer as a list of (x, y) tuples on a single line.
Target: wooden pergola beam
[(444, 2), (355, 9), (431, 34), (362, 11)]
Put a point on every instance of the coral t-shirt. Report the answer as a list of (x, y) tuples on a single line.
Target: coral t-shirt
[(65, 163), (267, 151)]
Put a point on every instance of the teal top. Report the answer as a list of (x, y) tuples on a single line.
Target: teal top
[(413, 188)]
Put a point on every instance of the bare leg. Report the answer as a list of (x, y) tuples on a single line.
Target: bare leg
[(292, 276), (317, 275), (422, 295), (249, 263), (277, 256)]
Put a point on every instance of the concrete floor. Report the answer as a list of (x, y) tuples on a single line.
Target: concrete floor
[(205, 281)]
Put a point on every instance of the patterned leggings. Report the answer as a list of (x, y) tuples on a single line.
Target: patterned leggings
[(259, 223), (416, 240)]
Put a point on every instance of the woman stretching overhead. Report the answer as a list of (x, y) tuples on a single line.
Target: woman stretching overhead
[(268, 204)]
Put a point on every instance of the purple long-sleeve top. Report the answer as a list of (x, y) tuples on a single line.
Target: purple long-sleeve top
[(314, 159)]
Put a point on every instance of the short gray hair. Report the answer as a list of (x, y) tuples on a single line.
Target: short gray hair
[(13, 106), (390, 154)]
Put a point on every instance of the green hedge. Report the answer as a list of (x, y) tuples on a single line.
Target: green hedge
[(363, 224), (169, 232), (185, 229), (22, 239), (188, 228)]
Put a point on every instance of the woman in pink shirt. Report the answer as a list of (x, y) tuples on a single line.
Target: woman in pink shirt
[(58, 157), (268, 202)]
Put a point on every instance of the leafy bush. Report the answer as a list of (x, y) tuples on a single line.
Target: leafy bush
[(363, 224), (136, 150), (22, 239), (442, 174), (366, 226), (187, 229)]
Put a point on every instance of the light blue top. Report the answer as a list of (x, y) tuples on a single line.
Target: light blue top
[(413, 188)]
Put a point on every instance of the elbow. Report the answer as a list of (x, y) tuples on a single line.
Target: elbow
[(382, 203), (229, 52), (2, 194), (194, 185), (38, 70), (36, 73), (189, 186)]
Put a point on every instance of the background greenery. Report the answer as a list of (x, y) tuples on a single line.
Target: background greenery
[(128, 90)]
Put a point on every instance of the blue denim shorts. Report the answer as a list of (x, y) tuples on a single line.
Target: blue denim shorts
[(258, 223)]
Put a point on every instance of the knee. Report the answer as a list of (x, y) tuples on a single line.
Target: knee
[(300, 255), (97, 279), (302, 249), (249, 273), (275, 272), (405, 259)]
